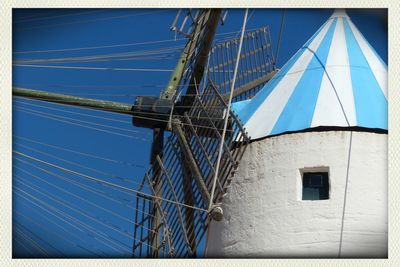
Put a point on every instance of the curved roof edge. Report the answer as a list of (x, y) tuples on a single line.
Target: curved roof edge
[(327, 129), (335, 80)]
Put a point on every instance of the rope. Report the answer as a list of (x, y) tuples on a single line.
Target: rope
[(31, 16), (92, 86), (82, 114), (105, 182), (33, 235), (77, 124), (18, 100), (54, 233), (97, 192), (75, 208), (98, 47), (23, 245), (102, 59), (331, 82), (93, 20), (100, 117), (58, 16), (90, 202), (80, 165), (228, 112), (80, 153), (139, 117), (132, 54), (161, 57), (60, 213), (76, 120), (91, 68), (74, 219), (115, 45), (345, 195), (93, 190), (349, 155), (30, 241), (113, 87), (280, 36)]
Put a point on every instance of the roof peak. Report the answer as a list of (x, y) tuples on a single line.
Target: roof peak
[(339, 13), (340, 81)]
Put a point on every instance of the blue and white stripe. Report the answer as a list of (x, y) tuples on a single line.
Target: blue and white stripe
[(335, 79)]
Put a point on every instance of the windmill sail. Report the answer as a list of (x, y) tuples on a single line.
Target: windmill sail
[(173, 223), (256, 66), (174, 204), (183, 226)]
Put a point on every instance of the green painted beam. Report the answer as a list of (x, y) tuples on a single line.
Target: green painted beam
[(110, 106)]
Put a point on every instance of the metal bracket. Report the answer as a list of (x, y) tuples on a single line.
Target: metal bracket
[(217, 213), (151, 112)]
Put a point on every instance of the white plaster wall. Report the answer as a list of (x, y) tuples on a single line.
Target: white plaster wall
[(264, 215)]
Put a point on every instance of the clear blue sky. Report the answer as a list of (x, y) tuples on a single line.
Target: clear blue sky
[(65, 215)]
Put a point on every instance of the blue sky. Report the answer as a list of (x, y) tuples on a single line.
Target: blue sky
[(62, 215)]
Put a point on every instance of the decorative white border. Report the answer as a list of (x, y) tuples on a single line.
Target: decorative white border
[(6, 126)]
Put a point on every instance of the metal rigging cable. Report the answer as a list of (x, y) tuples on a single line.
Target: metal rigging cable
[(132, 54), (79, 152), (60, 214), (227, 114), (133, 191), (76, 196), (67, 121), (73, 207), (143, 226), (113, 46), (73, 112), (93, 20), (82, 121), (29, 19), (280, 36), (54, 233), (79, 165), (135, 116), (91, 68), (97, 192)]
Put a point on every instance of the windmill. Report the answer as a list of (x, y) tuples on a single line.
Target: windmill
[(314, 183), (179, 193)]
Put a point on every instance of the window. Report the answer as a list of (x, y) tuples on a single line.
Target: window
[(315, 186)]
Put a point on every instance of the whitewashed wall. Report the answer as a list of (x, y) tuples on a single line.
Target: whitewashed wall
[(264, 215)]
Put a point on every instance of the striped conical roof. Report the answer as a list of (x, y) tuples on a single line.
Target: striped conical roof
[(335, 79)]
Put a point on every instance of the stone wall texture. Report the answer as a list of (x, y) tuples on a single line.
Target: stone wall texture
[(264, 215)]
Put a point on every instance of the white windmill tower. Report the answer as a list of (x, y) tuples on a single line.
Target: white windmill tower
[(313, 181)]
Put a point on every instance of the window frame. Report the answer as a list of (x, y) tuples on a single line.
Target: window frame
[(326, 187)]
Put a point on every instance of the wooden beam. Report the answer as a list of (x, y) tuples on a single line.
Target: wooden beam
[(177, 128), (248, 86), (110, 106)]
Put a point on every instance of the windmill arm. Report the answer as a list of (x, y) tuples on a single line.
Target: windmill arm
[(202, 57), (116, 107), (251, 85)]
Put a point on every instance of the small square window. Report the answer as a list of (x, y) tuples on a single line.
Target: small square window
[(315, 186)]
